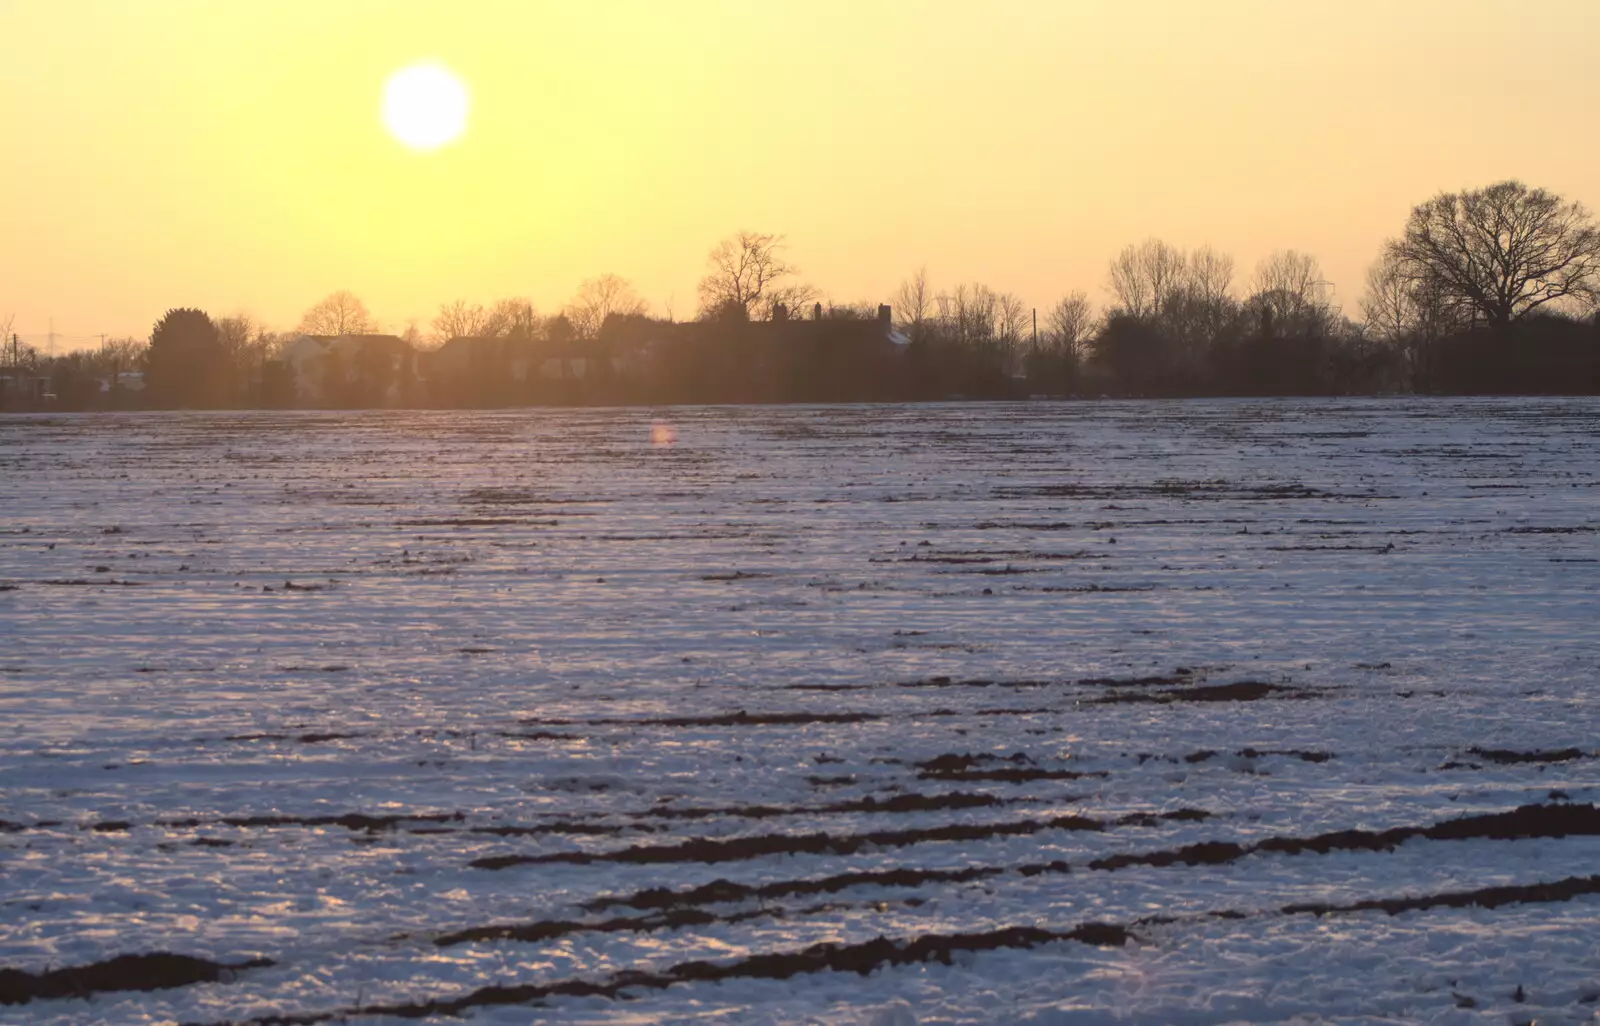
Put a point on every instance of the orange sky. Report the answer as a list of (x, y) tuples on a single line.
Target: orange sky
[(230, 155)]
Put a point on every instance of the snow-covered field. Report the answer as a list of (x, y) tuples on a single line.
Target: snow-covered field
[(418, 705)]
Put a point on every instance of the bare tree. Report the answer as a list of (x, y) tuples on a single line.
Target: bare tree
[(913, 303), (599, 298), (238, 333), (1389, 310), (1504, 251), (1144, 278), (125, 353), (748, 274), (461, 319), (1012, 319), (1210, 274), (1290, 296), (1069, 324), (516, 318), (341, 313)]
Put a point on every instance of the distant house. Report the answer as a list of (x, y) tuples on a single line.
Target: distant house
[(23, 386), (126, 381), (482, 370), (351, 370)]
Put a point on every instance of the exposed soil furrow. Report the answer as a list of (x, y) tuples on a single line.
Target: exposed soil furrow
[(1528, 821), (157, 971), (1483, 897), (1242, 691), (737, 849), (304, 739), (348, 820), (533, 933), (1010, 775), (737, 719), (861, 958), (898, 803), (723, 891), (1206, 754), (1507, 756)]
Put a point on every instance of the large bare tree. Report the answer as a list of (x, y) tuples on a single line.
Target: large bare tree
[(341, 313), (1504, 251), (1145, 278), (749, 275), (1069, 324), (599, 298)]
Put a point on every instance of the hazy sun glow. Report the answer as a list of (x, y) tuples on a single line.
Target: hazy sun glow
[(425, 106)]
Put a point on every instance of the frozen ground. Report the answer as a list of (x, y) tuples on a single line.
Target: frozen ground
[(417, 705)]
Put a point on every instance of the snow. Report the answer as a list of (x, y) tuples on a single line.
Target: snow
[(472, 615)]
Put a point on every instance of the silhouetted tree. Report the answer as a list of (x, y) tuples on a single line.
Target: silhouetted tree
[(1288, 298), (517, 318), (599, 298), (1504, 251), (461, 319), (340, 313), (913, 304), (1408, 316), (1135, 353), (748, 269), (1144, 278), (187, 364)]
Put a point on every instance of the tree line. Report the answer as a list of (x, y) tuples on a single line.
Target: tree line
[(1492, 290)]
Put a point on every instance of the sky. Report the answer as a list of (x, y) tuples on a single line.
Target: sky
[(231, 156)]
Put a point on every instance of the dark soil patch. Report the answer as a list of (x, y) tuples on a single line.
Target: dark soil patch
[(1206, 754), (953, 763), (1242, 691), (1010, 774), (1506, 756), (737, 719), (1157, 818), (738, 849), (158, 971), (533, 933), (898, 803), (476, 522), (349, 820), (304, 739), (80, 583), (1174, 680), (972, 682), (737, 575)]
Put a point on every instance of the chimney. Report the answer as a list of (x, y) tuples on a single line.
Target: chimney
[(816, 312), (885, 314)]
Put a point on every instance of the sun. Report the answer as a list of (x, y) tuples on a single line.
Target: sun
[(425, 106)]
